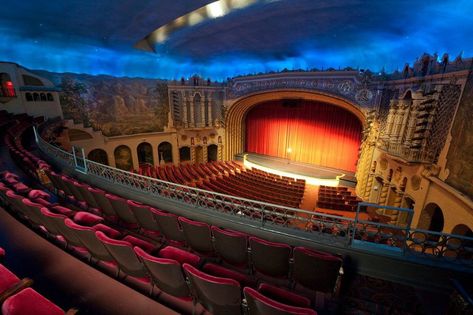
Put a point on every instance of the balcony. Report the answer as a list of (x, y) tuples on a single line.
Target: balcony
[(408, 154)]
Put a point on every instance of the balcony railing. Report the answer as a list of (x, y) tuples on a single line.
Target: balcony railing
[(332, 229), (408, 154)]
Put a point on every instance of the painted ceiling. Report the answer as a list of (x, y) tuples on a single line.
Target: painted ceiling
[(98, 36)]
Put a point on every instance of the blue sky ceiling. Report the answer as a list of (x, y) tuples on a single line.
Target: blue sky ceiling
[(97, 37)]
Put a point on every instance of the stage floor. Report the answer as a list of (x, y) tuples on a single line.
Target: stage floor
[(317, 175)]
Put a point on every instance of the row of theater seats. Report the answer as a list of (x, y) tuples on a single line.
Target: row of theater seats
[(87, 234), (18, 298), (337, 198), (233, 179)]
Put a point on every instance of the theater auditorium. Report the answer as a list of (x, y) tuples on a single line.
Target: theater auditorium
[(236, 157)]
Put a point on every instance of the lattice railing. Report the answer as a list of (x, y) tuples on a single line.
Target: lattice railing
[(323, 227)]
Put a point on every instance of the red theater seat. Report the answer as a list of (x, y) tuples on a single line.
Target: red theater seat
[(258, 304), (28, 301), (169, 226), (197, 235), (270, 259), (123, 211), (166, 274), (314, 270), (231, 246), (218, 295)]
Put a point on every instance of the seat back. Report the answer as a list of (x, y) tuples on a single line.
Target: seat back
[(166, 273), (217, 295), (269, 258), (121, 209), (89, 240), (7, 279), (232, 246), (122, 252), (258, 304), (34, 212), (84, 191), (17, 202), (58, 182), (144, 215), (316, 270), (58, 220), (102, 202), (169, 226), (197, 235), (72, 188)]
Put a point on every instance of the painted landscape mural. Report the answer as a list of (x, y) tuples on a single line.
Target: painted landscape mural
[(116, 106)]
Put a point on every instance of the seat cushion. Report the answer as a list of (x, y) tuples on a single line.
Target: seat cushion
[(7, 278), (146, 246), (110, 232), (283, 295), (28, 301), (86, 218)]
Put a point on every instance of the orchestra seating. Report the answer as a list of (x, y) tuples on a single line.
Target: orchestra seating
[(337, 198), (232, 179), (150, 248)]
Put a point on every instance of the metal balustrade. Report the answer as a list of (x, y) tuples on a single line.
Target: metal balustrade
[(352, 233)]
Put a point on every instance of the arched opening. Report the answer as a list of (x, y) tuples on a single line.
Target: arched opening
[(35, 97), (145, 153), (43, 97), (463, 230), (165, 152), (199, 154), (212, 152), (50, 97), (123, 159), (184, 154), (304, 131), (99, 156), (29, 97), (431, 218), (237, 112)]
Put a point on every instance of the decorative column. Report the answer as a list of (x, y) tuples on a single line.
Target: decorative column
[(389, 121), (368, 187), (192, 106), (220, 152), (394, 214), (209, 110), (202, 111), (405, 116), (205, 155), (184, 109), (193, 155), (383, 196)]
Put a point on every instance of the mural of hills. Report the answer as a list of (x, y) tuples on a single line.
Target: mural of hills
[(116, 106)]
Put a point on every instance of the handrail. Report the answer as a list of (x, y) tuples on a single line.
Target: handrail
[(451, 247)]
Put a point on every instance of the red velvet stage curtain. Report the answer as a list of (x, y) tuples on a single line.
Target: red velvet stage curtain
[(318, 133)]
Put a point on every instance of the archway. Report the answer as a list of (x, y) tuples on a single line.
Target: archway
[(199, 154), (235, 118), (462, 229), (165, 152), (431, 218), (145, 153), (99, 156), (212, 153), (123, 159), (184, 154)]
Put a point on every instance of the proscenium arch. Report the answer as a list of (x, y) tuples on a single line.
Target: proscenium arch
[(235, 118)]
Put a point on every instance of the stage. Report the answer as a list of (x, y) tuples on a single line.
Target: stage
[(313, 174)]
